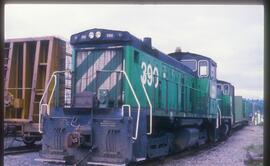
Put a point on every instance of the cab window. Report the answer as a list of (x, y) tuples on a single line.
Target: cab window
[(203, 68), (213, 72), (226, 90), (192, 64)]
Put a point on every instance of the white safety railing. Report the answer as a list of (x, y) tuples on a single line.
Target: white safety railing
[(151, 109), (42, 105), (135, 96), (218, 120)]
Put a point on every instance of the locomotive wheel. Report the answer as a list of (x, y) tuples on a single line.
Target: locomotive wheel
[(29, 141)]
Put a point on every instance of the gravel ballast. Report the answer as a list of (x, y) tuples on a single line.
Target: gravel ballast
[(231, 152)]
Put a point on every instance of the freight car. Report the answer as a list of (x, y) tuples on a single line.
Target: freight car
[(243, 111), (248, 109), (130, 102), (29, 64)]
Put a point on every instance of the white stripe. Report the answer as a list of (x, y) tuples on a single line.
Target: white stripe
[(110, 82), (81, 56)]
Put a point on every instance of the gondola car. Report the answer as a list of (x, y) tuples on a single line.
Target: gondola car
[(130, 102)]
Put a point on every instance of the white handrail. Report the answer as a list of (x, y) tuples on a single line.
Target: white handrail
[(138, 103), (219, 114), (151, 109), (135, 96), (55, 82), (40, 104), (218, 120), (45, 93)]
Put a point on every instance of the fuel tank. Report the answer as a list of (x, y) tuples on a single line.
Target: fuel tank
[(186, 137)]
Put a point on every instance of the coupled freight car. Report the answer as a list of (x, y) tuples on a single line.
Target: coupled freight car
[(130, 102), (243, 110), (29, 64)]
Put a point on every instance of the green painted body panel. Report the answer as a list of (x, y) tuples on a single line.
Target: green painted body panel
[(225, 104), (172, 92)]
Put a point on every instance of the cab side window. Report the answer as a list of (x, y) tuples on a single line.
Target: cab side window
[(226, 90), (213, 72), (203, 68)]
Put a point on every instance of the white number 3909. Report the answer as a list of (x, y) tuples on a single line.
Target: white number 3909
[(149, 74)]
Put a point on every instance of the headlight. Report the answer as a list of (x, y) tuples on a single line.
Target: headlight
[(98, 34), (91, 35)]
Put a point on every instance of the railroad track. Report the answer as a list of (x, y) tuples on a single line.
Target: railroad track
[(21, 149), (205, 148), (186, 153)]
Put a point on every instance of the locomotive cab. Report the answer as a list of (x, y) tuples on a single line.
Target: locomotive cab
[(205, 69), (226, 104)]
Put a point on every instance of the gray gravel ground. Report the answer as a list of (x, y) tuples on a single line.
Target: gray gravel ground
[(26, 159), (232, 152)]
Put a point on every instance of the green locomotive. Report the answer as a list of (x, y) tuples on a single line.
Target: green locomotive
[(131, 102)]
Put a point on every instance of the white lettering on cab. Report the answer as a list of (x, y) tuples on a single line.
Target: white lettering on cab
[(149, 74)]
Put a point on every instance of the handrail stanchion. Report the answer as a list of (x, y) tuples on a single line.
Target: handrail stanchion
[(151, 110), (218, 114)]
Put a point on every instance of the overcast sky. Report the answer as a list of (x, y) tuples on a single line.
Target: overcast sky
[(233, 36)]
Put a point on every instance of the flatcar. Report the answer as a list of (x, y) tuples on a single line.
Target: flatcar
[(131, 102)]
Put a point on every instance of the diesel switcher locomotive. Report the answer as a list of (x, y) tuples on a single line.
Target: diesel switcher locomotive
[(131, 102)]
